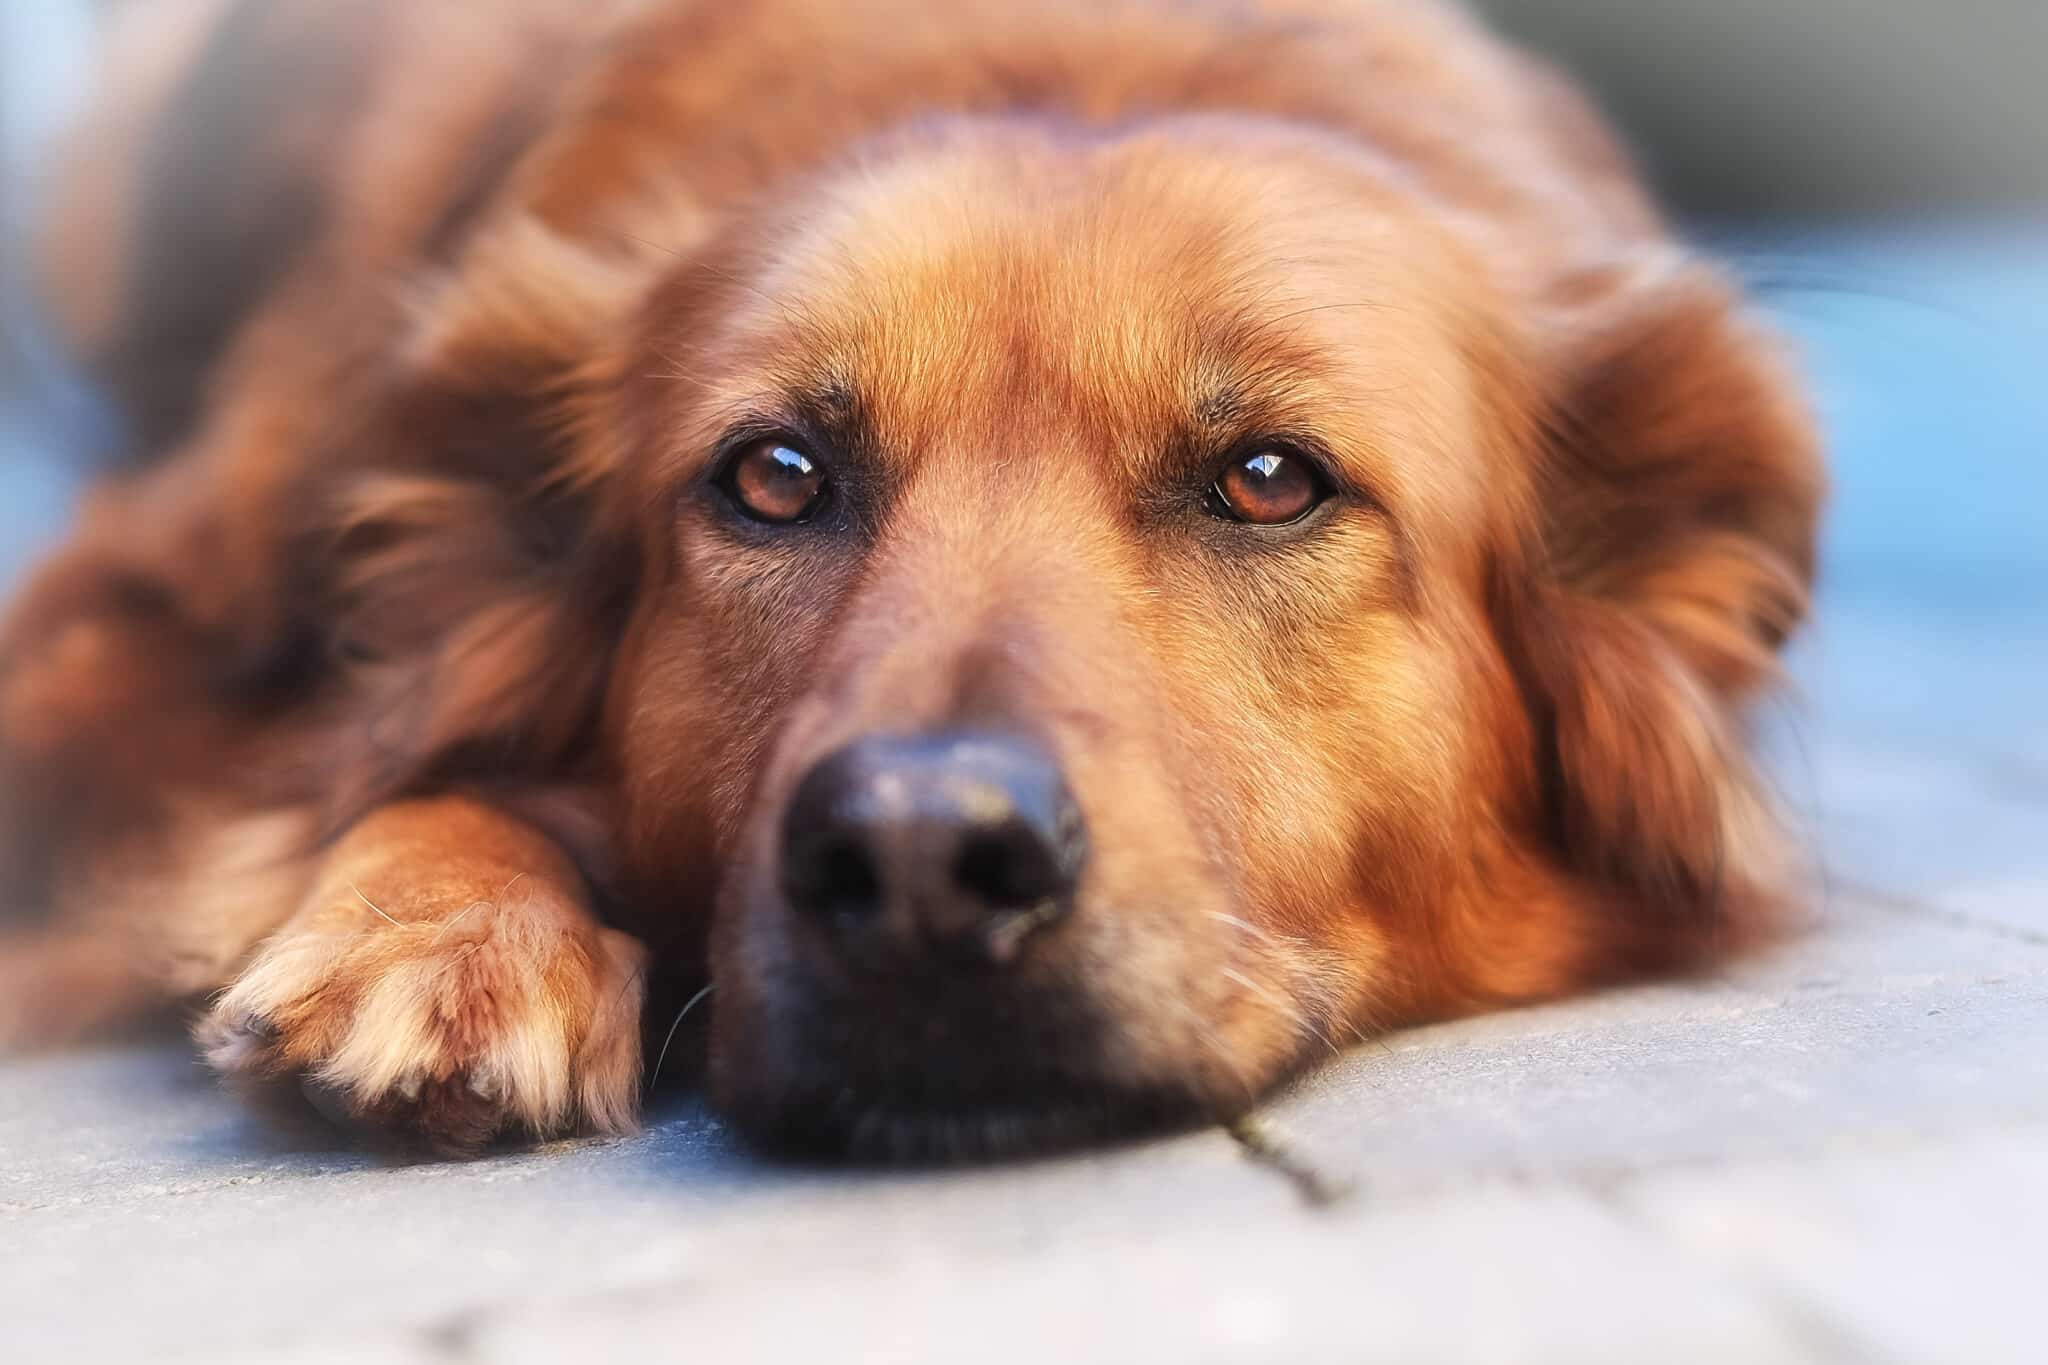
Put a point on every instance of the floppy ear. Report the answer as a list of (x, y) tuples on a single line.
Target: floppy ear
[(1676, 499), (475, 594)]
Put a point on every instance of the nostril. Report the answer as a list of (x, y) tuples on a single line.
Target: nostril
[(1008, 868), (955, 844), (832, 875)]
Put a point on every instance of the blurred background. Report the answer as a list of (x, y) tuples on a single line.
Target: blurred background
[(46, 417), (1816, 109)]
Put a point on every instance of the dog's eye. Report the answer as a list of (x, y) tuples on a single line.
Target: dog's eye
[(771, 480), (1269, 487)]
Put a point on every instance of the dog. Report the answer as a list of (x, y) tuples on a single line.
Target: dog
[(1044, 566)]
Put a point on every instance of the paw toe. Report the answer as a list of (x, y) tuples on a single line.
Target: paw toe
[(239, 1042)]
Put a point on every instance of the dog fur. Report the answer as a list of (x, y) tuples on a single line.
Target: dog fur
[(410, 693)]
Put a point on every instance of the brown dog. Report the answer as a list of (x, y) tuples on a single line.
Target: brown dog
[(1067, 558)]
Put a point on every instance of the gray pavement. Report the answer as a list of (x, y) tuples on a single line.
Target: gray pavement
[(1838, 1151)]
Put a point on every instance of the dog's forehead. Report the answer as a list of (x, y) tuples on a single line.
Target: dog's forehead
[(1126, 290)]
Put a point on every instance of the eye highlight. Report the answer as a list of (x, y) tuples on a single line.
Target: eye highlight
[(1271, 486), (771, 480)]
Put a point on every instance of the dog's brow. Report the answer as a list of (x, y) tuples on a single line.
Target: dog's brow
[(1232, 406), (1220, 408), (832, 408), (835, 398)]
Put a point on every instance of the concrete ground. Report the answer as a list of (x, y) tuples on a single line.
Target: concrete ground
[(1837, 1152)]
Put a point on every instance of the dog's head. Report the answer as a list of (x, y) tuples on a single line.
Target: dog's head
[(1106, 617)]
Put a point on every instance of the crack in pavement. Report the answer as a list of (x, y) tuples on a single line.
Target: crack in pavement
[(1266, 1147)]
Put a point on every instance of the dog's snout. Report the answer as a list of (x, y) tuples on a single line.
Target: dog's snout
[(959, 845)]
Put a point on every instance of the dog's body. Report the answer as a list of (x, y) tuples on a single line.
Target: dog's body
[(595, 448)]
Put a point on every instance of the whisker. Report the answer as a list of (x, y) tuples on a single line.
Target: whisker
[(688, 1005), (1285, 1008), (1326, 307), (460, 916), (1288, 1009), (1223, 917), (1213, 1044), (639, 976), (653, 245), (373, 905)]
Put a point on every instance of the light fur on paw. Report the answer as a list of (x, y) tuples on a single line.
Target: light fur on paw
[(521, 1014)]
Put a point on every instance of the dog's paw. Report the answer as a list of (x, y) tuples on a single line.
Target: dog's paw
[(454, 1027)]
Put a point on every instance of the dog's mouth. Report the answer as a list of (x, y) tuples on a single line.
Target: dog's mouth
[(955, 1072), (821, 1117), (840, 1126)]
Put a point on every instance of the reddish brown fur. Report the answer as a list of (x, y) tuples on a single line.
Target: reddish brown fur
[(442, 527)]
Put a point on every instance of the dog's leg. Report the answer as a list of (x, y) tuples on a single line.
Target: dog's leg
[(445, 976)]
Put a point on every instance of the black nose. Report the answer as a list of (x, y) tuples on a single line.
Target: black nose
[(957, 844)]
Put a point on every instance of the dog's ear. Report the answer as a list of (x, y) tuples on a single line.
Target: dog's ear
[(474, 589), (1672, 550)]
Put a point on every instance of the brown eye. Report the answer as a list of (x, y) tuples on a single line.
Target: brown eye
[(773, 481), (1268, 488)]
